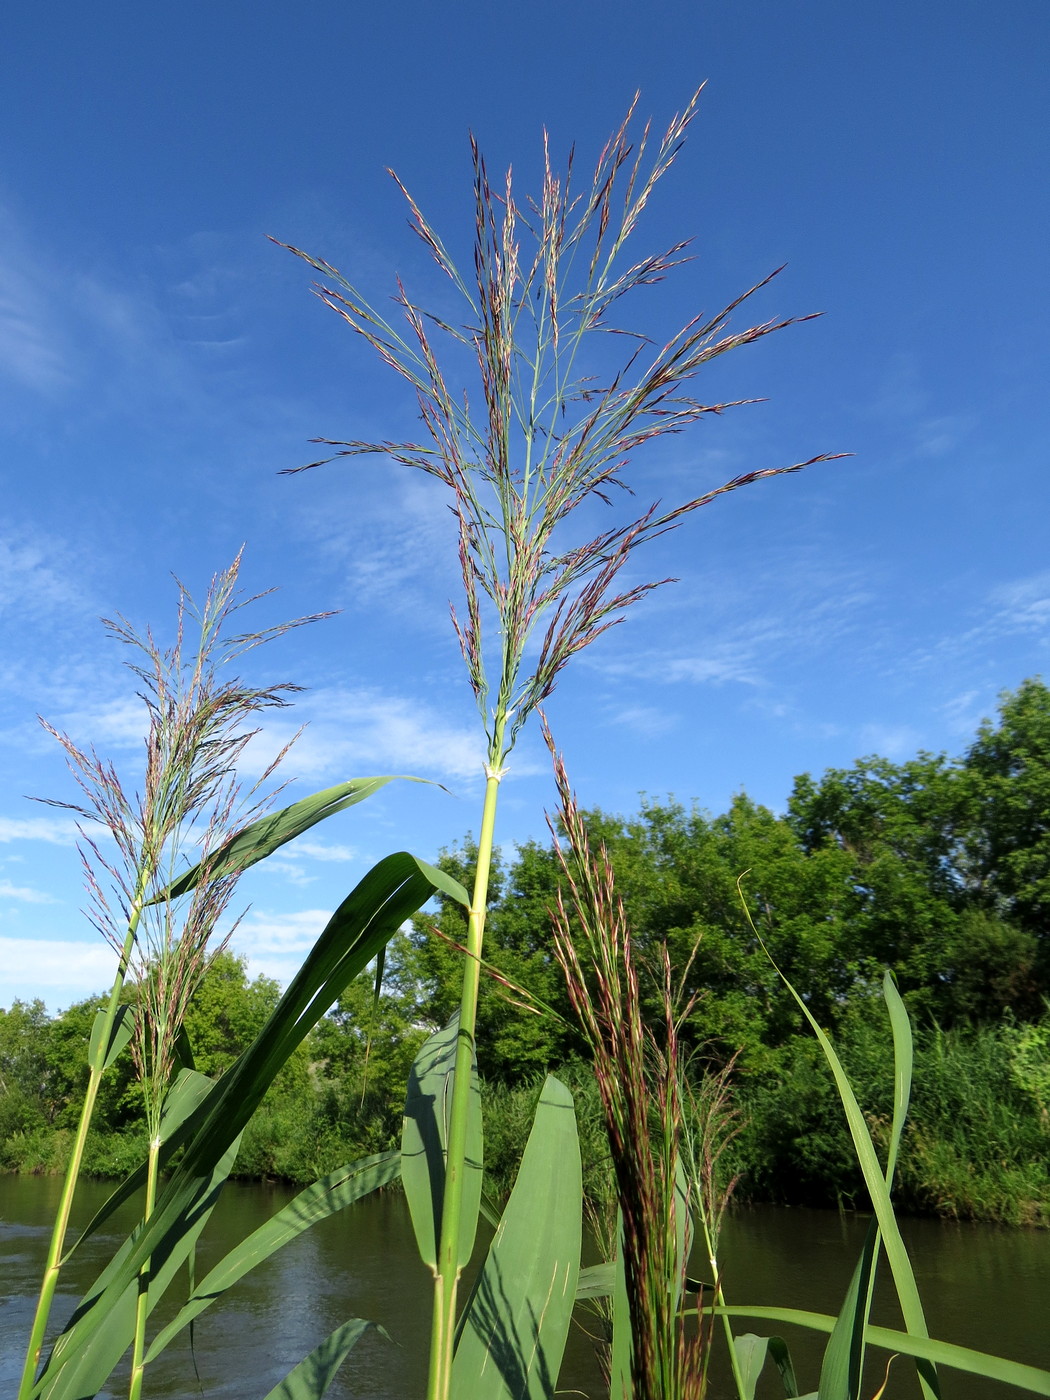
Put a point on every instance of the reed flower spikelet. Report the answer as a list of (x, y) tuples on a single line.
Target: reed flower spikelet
[(199, 722), (547, 435), (640, 1082)]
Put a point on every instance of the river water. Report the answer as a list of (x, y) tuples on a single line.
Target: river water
[(984, 1287)]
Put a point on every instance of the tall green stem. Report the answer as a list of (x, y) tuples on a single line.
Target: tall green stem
[(142, 1302), (53, 1266), (446, 1277), (716, 1274)]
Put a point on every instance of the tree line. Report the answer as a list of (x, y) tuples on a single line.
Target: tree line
[(936, 867)]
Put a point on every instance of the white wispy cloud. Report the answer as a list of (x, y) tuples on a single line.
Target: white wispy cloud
[(50, 964), (31, 349), (739, 631), (288, 870), (1015, 608), (25, 893), (368, 731), (1023, 605), (57, 831), (120, 723), (646, 720), (903, 402), (894, 741), (965, 711), (260, 933), (401, 556), (319, 850), (274, 944), (31, 584)]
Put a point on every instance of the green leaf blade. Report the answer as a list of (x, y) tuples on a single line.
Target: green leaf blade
[(276, 829), (119, 1033), (512, 1336), (843, 1364), (1033, 1379), (310, 1379), (389, 893), (424, 1146)]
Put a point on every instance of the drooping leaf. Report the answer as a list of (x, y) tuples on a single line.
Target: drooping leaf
[(683, 1228), (490, 1210), (324, 1198), (597, 1280), (316, 1372), (1033, 1379), (349, 941), (392, 891), (183, 1050), (778, 1350), (750, 1351), (101, 1329), (269, 833), (511, 1337), (182, 1100), (903, 1060), (120, 1032), (424, 1145)]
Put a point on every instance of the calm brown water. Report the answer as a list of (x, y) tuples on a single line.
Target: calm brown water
[(983, 1287)]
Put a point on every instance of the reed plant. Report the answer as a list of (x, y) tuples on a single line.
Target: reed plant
[(549, 433), (197, 722), (640, 1082), (162, 865)]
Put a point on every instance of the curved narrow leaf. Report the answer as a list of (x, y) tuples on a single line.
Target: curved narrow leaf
[(182, 1100), (349, 941), (596, 1281), (265, 836), (683, 1229), (874, 1180), (778, 1350), (316, 1372), (120, 1033), (424, 1145), (324, 1198), (976, 1363), (903, 1057), (365, 921), (750, 1352), (843, 1364), (489, 1209), (512, 1335)]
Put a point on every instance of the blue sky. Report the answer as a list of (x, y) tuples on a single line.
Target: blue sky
[(161, 361)]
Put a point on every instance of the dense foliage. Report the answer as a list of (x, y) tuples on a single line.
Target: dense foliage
[(937, 868)]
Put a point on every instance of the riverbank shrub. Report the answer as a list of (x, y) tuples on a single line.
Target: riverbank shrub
[(976, 1147)]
